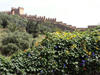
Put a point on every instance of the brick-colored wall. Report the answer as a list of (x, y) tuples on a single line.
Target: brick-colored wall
[(23, 15)]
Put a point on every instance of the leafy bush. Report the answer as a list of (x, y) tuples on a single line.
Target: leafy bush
[(22, 62), (25, 61), (6, 19), (61, 53), (32, 28), (48, 27), (14, 27), (10, 48), (6, 66), (75, 53), (93, 29), (16, 41), (5, 23)]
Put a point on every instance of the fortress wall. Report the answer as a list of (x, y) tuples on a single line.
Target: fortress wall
[(59, 22), (51, 19), (20, 11), (69, 25), (41, 21), (81, 29), (63, 24), (74, 27), (24, 15), (64, 27), (40, 18), (31, 16), (92, 26), (6, 12)]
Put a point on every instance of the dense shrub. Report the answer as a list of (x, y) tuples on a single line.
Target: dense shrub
[(6, 66), (12, 27), (74, 53), (93, 29), (10, 48), (48, 27), (16, 41), (5, 18), (32, 28), (61, 53), (4, 23), (26, 62)]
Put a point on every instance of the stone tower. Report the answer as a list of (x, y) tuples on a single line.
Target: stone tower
[(16, 11)]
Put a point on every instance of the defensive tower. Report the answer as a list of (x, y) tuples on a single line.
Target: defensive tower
[(16, 11)]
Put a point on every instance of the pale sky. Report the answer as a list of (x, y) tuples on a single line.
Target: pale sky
[(79, 13)]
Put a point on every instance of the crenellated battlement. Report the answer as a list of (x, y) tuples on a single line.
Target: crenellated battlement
[(6, 11), (40, 18), (20, 11), (22, 15), (51, 19), (31, 16)]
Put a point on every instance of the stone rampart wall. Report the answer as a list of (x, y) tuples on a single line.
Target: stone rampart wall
[(20, 11)]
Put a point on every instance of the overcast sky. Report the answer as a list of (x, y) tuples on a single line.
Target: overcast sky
[(79, 13)]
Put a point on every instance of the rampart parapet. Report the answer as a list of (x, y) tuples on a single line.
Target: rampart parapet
[(31, 16), (51, 19), (20, 11), (40, 18)]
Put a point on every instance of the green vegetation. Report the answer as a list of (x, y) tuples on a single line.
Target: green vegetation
[(6, 19), (4, 23), (59, 53), (54, 53), (93, 29), (48, 27), (32, 28), (3, 32), (15, 41), (13, 24), (13, 27)]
